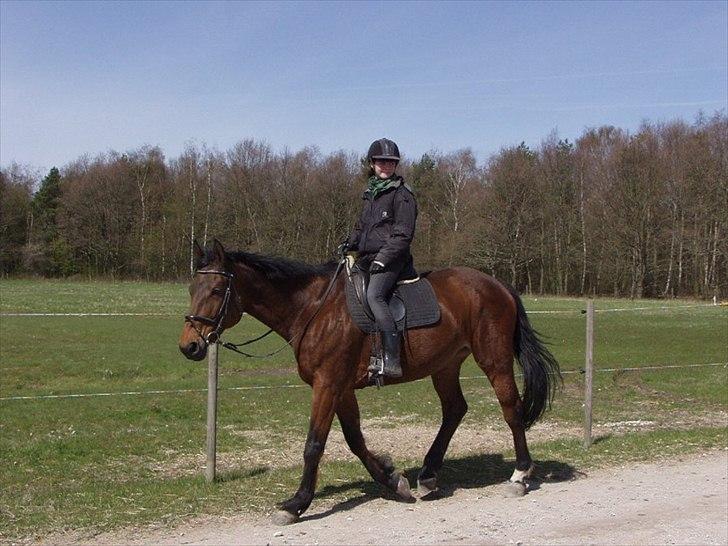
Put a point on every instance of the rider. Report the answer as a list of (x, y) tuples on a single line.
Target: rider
[(383, 235)]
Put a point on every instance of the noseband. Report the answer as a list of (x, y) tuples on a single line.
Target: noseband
[(215, 322)]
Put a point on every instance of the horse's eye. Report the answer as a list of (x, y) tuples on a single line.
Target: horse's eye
[(218, 291)]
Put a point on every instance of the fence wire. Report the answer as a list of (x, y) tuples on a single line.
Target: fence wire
[(298, 386), (264, 387), (530, 312), (90, 314)]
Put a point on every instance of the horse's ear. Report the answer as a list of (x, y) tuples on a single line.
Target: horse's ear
[(198, 253), (218, 251)]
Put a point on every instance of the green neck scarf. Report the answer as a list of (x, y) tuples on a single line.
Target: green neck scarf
[(378, 185)]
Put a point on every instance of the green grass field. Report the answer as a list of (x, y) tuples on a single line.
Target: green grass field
[(97, 462)]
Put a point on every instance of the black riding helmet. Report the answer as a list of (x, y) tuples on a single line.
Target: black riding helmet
[(383, 149)]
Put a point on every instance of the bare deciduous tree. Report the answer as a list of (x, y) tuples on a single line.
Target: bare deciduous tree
[(614, 213)]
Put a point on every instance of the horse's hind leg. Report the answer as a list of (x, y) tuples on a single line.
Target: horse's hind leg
[(454, 408), (380, 469), (495, 358)]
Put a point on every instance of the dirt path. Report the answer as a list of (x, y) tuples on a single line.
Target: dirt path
[(677, 502)]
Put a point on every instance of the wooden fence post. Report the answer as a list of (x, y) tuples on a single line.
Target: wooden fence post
[(211, 411), (589, 373)]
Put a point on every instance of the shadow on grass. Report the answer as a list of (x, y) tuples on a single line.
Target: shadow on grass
[(233, 475), (460, 473)]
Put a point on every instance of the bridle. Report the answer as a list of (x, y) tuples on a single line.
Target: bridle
[(215, 322)]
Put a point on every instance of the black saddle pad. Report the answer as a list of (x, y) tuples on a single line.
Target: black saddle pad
[(420, 302)]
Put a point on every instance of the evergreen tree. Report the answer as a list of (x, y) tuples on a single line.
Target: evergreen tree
[(47, 252), (45, 204)]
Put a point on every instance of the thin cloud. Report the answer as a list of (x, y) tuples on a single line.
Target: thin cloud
[(580, 107), (551, 77), (557, 108)]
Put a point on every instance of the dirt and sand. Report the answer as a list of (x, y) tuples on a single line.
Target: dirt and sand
[(675, 502)]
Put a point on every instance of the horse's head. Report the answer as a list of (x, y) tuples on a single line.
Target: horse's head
[(214, 304)]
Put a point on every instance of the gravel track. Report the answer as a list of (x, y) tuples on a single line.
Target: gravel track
[(674, 502)]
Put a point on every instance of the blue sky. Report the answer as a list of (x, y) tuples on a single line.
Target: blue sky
[(86, 78)]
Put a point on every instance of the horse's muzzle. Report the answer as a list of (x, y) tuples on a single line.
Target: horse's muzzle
[(194, 350)]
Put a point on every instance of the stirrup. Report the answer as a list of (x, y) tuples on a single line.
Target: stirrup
[(376, 371), (376, 380)]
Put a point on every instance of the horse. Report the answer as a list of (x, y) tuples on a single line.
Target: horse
[(305, 305)]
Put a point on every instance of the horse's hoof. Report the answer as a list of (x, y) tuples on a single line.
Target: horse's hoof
[(514, 489), (426, 486), (403, 490), (281, 517)]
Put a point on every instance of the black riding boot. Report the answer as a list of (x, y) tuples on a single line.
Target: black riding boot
[(391, 345)]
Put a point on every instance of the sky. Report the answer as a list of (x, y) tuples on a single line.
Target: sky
[(84, 78)]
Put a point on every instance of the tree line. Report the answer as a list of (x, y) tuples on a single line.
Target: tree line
[(613, 213)]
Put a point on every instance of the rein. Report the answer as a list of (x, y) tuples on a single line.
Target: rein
[(217, 321)]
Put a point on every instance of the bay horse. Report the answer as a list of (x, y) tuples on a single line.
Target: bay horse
[(306, 306)]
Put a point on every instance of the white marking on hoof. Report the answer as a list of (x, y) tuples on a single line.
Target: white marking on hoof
[(520, 475), (281, 517), (426, 486)]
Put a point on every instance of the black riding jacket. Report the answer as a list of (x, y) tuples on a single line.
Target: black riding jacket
[(386, 227)]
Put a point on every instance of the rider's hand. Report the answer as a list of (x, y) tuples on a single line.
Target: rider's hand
[(343, 248), (376, 267)]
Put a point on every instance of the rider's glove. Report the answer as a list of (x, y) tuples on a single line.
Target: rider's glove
[(376, 267), (343, 248)]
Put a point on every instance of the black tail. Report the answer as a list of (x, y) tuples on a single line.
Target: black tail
[(541, 373)]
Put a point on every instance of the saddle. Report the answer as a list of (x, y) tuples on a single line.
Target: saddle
[(413, 303)]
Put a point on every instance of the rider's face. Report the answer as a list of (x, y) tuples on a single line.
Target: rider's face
[(384, 168)]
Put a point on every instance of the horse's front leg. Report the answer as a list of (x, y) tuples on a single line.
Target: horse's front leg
[(325, 398)]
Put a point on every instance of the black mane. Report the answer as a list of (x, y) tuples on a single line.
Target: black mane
[(275, 267)]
